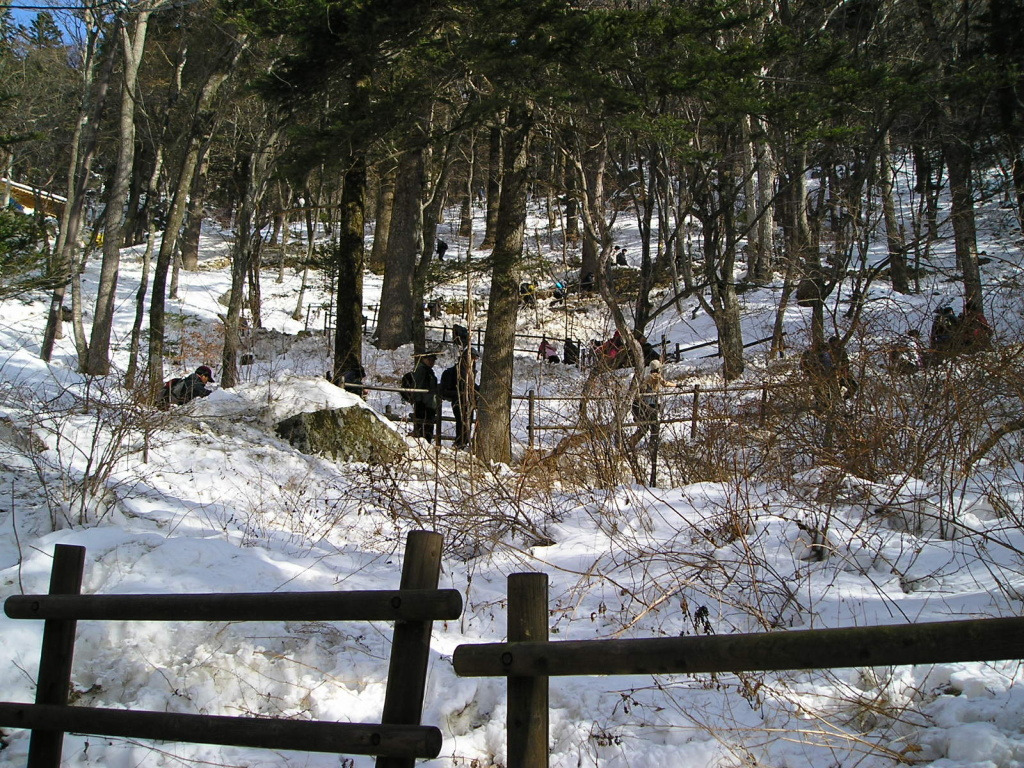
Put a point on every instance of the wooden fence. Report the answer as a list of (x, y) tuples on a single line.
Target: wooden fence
[(536, 424), (396, 741), (528, 659)]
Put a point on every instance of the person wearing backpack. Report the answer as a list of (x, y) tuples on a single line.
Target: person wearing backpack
[(464, 406), (547, 351), (181, 391), (646, 405), (424, 404)]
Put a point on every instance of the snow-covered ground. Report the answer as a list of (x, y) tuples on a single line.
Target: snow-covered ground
[(207, 498)]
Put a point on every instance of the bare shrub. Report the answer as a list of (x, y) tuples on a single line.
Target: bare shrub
[(91, 433)]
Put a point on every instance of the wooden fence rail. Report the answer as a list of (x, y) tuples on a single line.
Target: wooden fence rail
[(528, 658), (396, 741)]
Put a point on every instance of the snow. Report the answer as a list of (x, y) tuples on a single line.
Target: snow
[(207, 498)]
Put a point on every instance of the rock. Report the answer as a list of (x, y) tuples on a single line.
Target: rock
[(22, 438), (344, 434)]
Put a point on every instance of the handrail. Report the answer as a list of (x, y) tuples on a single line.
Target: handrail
[(890, 644), (393, 605), (404, 741)]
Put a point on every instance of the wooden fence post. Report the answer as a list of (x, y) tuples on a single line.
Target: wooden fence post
[(529, 421), (527, 725), (655, 441), (693, 412), (410, 648), (53, 684)]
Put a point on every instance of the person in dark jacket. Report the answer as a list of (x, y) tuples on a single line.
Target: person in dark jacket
[(424, 407), (464, 402), (192, 386)]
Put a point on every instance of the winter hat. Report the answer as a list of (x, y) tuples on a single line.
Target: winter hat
[(204, 370), (655, 365)]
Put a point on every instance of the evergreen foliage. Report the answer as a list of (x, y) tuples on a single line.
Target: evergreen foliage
[(24, 264)]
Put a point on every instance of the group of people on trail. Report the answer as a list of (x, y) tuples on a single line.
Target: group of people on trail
[(457, 386), (951, 334), (613, 353)]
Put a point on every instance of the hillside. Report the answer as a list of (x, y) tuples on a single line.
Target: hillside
[(756, 524)]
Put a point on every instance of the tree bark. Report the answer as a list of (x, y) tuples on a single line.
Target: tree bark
[(133, 43), (193, 228), (395, 318), (382, 217), (495, 174), (493, 436), (899, 275), (247, 234), (348, 334), (958, 162)]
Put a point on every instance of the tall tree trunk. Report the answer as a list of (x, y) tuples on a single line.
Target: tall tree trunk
[(133, 42), (590, 178), (396, 316), (899, 275), (348, 334), (724, 300), (310, 245), (193, 229), (495, 158), (83, 151), (203, 124), (965, 241), (764, 254), (493, 436), (140, 295), (645, 216), (247, 233), (382, 216)]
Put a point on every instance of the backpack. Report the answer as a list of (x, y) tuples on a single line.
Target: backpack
[(449, 388), (409, 382), (166, 394)]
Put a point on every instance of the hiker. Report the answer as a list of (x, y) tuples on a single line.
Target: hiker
[(352, 380), (442, 247), (609, 352), (646, 406), (181, 391), (558, 293), (942, 338), (434, 309), (620, 257), (528, 294), (571, 354), (459, 387), (547, 351), (587, 283), (424, 406)]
